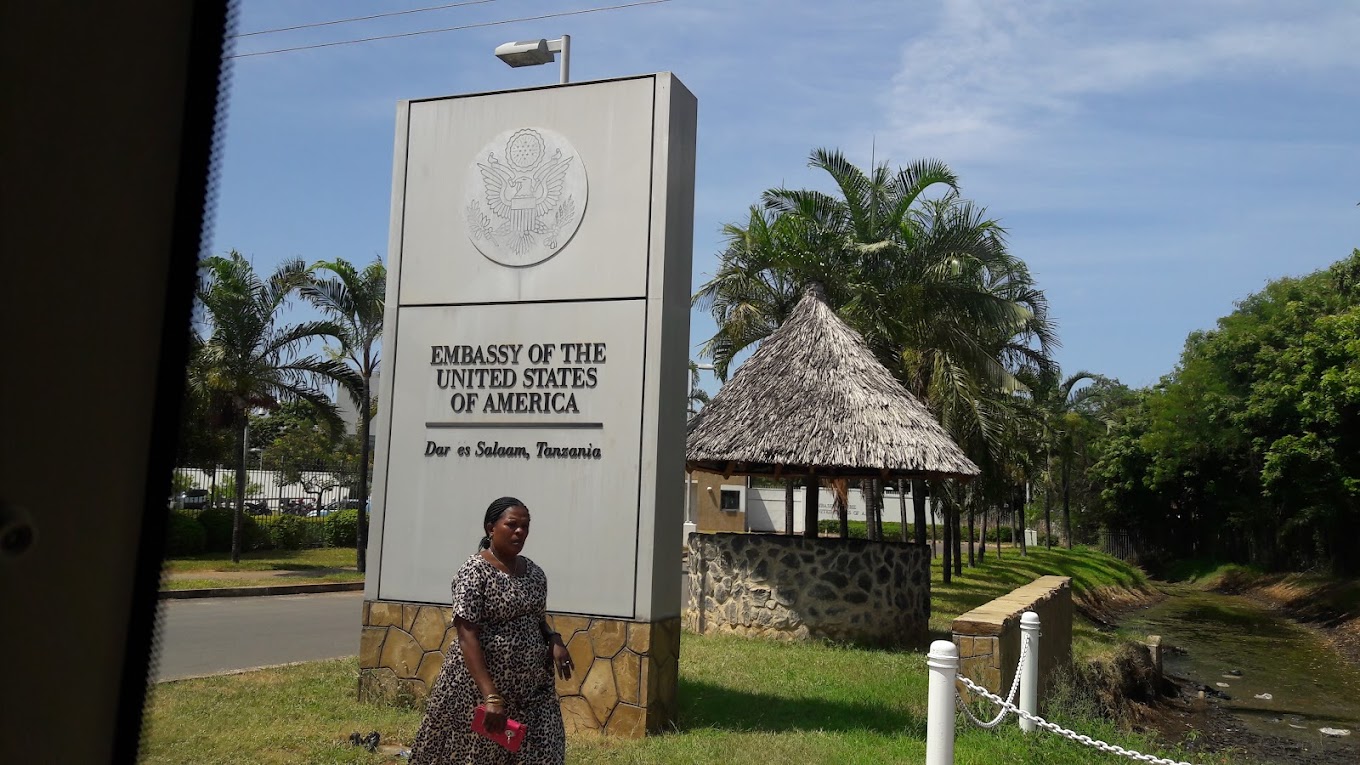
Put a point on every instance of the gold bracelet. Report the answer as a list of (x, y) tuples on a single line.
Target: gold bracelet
[(494, 698)]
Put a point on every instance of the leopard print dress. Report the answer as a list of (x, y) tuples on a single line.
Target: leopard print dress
[(509, 610)]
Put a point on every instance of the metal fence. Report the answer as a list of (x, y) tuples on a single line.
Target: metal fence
[(1122, 544), (312, 495)]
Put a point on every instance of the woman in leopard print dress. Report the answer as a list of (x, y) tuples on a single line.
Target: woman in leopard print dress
[(504, 658)]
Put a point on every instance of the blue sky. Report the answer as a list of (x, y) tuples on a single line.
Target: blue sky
[(1153, 162)]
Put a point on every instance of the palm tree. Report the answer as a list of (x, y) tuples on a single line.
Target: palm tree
[(1061, 405), (800, 237), (697, 395), (247, 359), (968, 319), (354, 301), (928, 282)]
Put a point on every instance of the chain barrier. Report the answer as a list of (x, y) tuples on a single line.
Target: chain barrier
[(1007, 707), (1010, 698)]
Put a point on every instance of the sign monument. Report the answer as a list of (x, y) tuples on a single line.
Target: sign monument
[(536, 343)]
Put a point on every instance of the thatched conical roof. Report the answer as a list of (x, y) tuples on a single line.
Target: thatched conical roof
[(814, 399)]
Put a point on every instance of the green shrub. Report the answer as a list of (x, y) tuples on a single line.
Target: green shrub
[(185, 535), (892, 530), (289, 532), (217, 522), (342, 528)]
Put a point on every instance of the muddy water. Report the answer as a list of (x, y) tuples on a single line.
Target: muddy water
[(1308, 686)]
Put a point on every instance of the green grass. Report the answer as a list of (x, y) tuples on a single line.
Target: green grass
[(269, 560), (740, 701), (208, 582)]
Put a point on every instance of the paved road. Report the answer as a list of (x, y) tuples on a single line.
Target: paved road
[(210, 635), (205, 636)]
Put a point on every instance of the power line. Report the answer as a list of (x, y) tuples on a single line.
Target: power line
[(363, 18), (452, 29)]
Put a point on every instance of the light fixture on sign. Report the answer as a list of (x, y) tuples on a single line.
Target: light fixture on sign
[(536, 52)]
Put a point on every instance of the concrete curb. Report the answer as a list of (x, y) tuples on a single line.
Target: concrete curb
[(272, 589)]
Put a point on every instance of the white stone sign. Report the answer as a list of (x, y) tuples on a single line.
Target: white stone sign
[(536, 340)]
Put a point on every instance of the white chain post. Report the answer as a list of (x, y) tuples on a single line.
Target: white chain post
[(1029, 682), (943, 661)]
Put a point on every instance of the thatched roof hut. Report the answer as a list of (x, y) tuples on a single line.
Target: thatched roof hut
[(813, 400)]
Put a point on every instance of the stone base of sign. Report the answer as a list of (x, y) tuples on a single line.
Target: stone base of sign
[(624, 684)]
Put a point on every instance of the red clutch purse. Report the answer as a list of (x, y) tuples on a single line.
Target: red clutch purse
[(511, 738)]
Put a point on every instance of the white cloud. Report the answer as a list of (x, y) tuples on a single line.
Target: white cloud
[(988, 75)]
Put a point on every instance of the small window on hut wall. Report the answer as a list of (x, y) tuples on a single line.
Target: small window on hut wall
[(730, 500)]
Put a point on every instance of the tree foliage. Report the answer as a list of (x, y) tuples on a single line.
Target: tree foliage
[(246, 358), (1250, 449)]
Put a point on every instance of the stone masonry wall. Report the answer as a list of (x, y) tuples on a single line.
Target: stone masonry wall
[(988, 637), (792, 588), (624, 683)]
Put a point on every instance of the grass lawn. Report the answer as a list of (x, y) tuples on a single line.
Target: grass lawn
[(746, 701), (268, 560), (209, 582)]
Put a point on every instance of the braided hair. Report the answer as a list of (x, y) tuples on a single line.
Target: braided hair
[(494, 512)]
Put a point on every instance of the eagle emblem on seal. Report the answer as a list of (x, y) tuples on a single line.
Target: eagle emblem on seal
[(523, 194)]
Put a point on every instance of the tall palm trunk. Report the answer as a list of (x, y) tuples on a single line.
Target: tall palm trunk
[(842, 505), (1015, 526), (1067, 506), (788, 506), (947, 549), (957, 514), (1048, 516), (361, 535), (934, 527), (918, 506), (982, 545), (972, 547), (902, 509), (878, 506), (243, 433), (997, 525), (1024, 547), (866, 493)]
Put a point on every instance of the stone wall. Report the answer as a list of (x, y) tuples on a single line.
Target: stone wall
[(791, 588), (988, 637), (624, 683)]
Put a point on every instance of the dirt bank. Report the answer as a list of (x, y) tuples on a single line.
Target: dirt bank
[(1105, 605)]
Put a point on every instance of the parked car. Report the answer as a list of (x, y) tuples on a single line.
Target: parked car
[(193, 499), (335, 507)]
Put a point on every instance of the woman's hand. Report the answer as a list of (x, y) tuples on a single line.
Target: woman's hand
[(561, 659), (495, 717)]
